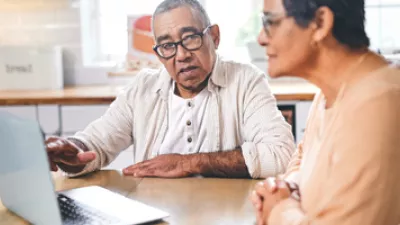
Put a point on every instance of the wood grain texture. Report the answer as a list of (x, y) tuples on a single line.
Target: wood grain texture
[(86, 95), (188, 200), (89, 95)]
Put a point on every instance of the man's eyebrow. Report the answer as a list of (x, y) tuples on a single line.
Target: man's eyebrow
[(188, 29), (163, 38), (182, 31)]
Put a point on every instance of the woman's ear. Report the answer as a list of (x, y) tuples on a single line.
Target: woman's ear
[(322, 24)]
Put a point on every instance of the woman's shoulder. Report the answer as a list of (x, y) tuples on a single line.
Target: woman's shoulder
[(383, 83)]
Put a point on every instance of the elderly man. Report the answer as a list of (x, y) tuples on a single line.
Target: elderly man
[(200, 115)]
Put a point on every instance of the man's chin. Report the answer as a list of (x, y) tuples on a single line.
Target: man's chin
[(191, 87), (194, 86)]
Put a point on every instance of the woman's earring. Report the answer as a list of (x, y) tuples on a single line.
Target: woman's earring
[(314, 44)]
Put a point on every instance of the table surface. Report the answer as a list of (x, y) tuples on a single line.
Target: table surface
[(188, 200), (106, 94)]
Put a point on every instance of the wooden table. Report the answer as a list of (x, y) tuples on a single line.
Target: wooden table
[(188, 200), (84, 95)]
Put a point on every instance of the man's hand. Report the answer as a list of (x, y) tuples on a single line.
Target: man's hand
[(167, 166), (269, 193), (67, 155)]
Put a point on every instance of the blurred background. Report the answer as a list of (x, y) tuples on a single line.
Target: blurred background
[(83, 48)]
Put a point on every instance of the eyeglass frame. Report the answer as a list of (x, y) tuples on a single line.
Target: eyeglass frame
[(201, 34), (267, 22)]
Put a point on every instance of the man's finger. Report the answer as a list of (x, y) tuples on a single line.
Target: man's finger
[(132, 169), (79, 160), (53, 166), (145, 172), (61, 147), (51, 139), (137, 165), (54, 147), (86, 157)]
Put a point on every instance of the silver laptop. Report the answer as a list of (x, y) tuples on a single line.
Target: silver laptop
[(26, 186)]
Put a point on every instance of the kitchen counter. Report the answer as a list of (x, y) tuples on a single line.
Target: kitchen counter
[(105, 94)]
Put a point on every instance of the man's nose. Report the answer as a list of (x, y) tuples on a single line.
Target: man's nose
[(182, 54)]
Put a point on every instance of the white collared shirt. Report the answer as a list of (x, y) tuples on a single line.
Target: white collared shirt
[(187, 130), (241, 111)]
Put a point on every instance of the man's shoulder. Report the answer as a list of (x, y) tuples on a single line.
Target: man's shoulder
[(143, 79), (241, 71), (240, 67), (142, 83), (241, 74)]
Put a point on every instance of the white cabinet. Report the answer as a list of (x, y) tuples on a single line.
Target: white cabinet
[(49, 119), (76, 118), (302, 110), (25, 112)]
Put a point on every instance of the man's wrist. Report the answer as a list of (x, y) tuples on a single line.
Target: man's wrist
[(192, 164)]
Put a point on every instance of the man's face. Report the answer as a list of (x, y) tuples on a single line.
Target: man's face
[(188, 68)]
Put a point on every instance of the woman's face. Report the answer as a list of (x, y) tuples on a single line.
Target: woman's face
[(288, 46)]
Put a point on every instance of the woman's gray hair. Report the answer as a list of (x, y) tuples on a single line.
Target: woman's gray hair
[(197, 9)]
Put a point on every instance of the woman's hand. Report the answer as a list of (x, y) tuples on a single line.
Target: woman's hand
[(269, 193)]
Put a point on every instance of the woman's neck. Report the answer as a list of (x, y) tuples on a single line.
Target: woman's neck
[(334, 68)]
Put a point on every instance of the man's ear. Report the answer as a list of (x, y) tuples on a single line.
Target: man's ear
[(323, 24), (215, 35)]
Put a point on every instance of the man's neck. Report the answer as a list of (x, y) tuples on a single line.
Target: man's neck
[(187, 93)]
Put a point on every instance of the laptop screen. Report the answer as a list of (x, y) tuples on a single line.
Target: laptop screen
[(26, 186)]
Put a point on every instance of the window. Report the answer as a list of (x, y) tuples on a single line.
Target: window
[(106, 26), (382, 24), (239, 25)]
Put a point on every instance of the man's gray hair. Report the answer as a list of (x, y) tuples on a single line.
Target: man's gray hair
[(194, 5)]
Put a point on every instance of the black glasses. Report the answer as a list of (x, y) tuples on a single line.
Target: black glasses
[(270, 21), (191, 42)]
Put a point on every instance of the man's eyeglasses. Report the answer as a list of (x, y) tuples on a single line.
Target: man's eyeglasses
[(270, 21), (191, 42)]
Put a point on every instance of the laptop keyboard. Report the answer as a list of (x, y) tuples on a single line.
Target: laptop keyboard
[(75, 213)]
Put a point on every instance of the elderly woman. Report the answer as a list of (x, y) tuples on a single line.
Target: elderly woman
[(347, 169)]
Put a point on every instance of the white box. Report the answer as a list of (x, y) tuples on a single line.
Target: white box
[(31, 68)]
